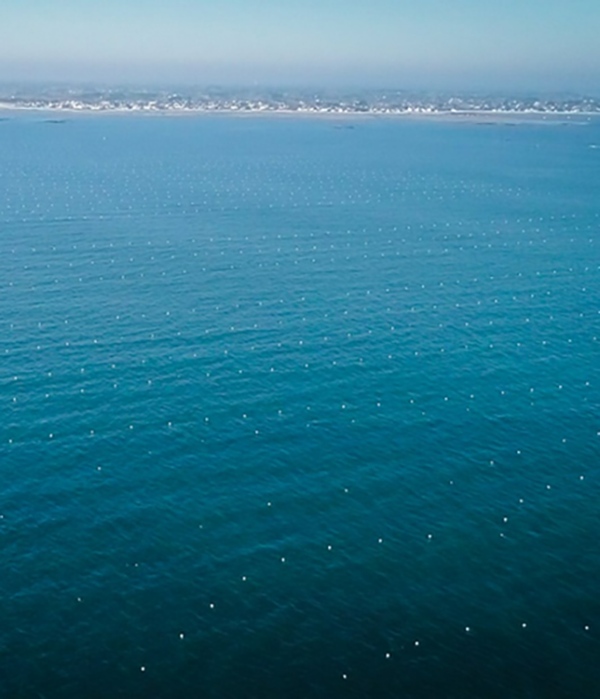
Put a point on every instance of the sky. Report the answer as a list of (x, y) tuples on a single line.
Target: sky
[(518, 44)]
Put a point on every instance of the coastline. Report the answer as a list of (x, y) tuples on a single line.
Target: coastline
[(482, 116)]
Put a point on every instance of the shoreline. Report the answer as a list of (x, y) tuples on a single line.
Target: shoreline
[(472, 116)]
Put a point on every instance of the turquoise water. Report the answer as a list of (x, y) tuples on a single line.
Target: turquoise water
[(291, 409)]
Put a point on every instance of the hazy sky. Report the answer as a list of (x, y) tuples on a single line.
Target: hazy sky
[(430, 43)]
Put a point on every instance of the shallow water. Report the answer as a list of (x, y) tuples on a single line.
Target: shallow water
[(292, 410)]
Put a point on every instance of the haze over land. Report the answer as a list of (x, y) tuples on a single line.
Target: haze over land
[(437, 45)]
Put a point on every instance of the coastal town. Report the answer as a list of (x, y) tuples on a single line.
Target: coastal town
[(220, 100)]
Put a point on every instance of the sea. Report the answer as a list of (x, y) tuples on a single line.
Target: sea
[(299, 407)]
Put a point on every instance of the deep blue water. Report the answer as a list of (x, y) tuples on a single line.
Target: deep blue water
[(297, 410)]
